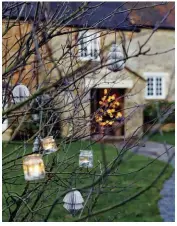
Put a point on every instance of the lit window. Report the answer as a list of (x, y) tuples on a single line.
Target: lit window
[(89, 47), (155, 86)]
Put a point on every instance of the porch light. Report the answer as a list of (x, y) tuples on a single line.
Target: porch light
[(86, 158), (115, 59), (48, 145), (33, 167), (73, 202)]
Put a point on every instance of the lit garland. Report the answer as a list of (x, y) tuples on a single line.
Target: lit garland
[(108, 112)]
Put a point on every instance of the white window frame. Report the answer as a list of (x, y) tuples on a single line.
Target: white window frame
[(92, 41), (155, 75)]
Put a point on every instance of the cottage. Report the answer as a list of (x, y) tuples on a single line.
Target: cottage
[(147, 76)]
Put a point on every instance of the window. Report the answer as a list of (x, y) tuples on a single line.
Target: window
[(89, 46), (155, 86)]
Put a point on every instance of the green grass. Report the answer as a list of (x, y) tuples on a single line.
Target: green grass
[(168, 137), (143, 208)]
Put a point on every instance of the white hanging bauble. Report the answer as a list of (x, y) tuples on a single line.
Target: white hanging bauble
[(73, 201), (115, 59), (4, 125), (36, 144), (43, 99), (35, 117), (20, 93)]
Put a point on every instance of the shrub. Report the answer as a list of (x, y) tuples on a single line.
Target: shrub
[(151, 113)]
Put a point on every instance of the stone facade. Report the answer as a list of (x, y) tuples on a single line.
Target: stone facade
[(160, 42), (132, 78)]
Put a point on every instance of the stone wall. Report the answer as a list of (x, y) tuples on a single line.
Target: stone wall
[(160, 41)]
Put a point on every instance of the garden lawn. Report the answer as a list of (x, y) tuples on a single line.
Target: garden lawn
[(168, 137), (127, 183)]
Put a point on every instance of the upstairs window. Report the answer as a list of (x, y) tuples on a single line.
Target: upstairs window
[(155, 87), (89, 45)]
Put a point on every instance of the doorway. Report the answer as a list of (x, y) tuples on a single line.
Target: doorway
[(97, 98)]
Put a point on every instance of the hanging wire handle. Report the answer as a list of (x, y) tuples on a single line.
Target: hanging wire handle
[(86, 202), (102, 147), (40, 115), (90, 145)]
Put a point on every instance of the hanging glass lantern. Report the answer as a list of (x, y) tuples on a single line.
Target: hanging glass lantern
[(86, 158), (48, 145), (20, 93), (115, 59), (73, 201), (33, 167)]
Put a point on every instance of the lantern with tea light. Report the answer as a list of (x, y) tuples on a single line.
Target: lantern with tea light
[(86, 158), (33, 167), (73, 201), (48, 145)]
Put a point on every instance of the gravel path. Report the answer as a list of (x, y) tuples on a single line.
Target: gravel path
[(167, 203)]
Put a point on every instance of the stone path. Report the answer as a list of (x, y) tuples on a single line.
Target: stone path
[(167, 202)]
